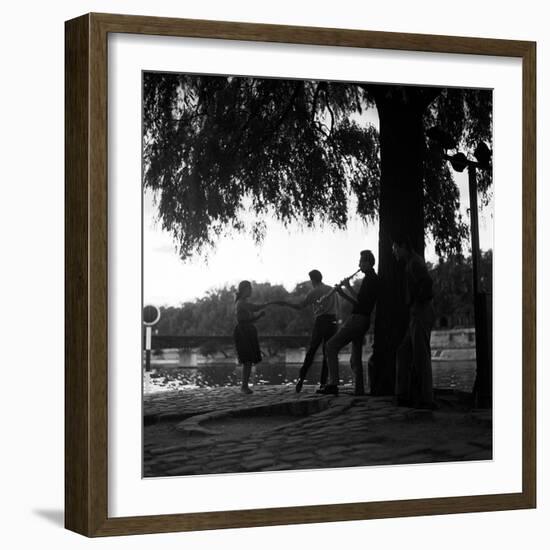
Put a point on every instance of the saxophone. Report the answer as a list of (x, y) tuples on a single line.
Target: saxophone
[(336, 287)]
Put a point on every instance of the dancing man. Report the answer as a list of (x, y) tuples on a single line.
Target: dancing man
[(355, 327), (324, 304)]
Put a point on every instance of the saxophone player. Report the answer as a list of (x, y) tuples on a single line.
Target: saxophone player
[(355, 327)]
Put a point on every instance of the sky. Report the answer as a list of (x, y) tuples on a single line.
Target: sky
[(285, 256)]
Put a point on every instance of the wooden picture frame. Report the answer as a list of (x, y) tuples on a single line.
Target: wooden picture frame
[(86, 283)]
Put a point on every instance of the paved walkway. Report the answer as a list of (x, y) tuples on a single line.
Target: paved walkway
[(220, 430)]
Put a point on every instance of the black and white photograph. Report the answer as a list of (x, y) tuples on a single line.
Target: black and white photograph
[(317, 263)]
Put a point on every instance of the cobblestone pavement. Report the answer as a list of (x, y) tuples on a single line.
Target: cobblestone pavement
[(219, 430)]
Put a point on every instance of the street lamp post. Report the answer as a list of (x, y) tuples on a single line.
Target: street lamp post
[(483, 386), (474, 224)]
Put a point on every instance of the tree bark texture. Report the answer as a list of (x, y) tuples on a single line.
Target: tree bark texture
[(402, 146)]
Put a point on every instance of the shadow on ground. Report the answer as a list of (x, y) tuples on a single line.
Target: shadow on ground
[(57, 517)]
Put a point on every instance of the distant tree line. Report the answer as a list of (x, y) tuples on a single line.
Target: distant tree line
[(453, 289), (213, 314)]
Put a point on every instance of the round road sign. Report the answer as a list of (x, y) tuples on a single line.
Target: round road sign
[(151, 315)]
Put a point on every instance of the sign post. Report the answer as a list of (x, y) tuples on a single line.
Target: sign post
[(151, 316)]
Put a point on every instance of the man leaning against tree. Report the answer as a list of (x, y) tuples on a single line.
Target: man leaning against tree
[(414, 385)]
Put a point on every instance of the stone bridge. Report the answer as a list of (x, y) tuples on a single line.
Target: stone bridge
[(190, 342)]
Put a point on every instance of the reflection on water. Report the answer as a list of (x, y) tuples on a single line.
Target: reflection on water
[(457, 375)]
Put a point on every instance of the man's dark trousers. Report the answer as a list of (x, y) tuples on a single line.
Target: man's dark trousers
[(324, 328)]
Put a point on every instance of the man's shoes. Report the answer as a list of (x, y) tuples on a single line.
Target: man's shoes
[(321, 388), (299, 385), (328, 390)]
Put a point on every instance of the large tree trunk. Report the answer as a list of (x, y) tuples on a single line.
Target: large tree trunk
[(402, 145)]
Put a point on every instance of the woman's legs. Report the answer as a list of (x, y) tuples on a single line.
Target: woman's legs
[(247, 369)]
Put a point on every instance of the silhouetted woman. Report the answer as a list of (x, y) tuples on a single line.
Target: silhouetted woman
[(245, 333)]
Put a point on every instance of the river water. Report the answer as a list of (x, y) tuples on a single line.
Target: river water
[(458, 375)]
